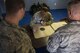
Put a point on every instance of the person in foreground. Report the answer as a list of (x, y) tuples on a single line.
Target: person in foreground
[(14, 39), (40, 18), (67, 38)]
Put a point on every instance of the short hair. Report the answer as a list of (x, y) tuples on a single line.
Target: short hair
[(74, 2), (45, 9), (12, 6)]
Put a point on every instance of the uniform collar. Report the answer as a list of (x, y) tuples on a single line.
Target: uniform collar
[(8, 24), (11, 25)]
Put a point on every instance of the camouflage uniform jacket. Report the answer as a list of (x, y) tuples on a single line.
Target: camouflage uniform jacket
[(37, 19), (66, 39), (14, 39)]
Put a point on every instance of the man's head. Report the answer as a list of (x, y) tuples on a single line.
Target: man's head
[(74, 10), (44, 10), (15, 7)]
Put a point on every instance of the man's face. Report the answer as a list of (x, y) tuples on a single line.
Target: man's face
[(75, 12)]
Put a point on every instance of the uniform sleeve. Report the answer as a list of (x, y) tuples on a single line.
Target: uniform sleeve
[(53, 43)]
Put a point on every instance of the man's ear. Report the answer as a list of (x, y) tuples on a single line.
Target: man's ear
[(21, 11)]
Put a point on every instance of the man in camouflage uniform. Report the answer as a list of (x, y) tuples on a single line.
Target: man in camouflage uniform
[(67, 39), (14, 39)]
